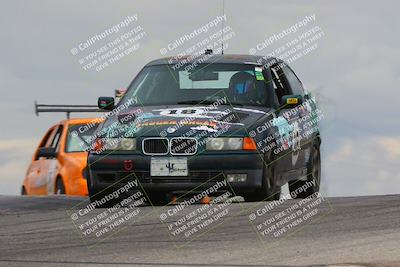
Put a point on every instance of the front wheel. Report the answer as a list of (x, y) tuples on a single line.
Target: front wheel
[(304, 189), (270, 190)]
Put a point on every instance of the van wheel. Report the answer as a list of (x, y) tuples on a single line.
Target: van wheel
[(270, 190), (313, 176), (23, 191), (60, 189)]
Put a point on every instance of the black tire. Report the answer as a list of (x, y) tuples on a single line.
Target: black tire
[(314, 175), (269, 190), (23, 191), (91, 191), (59, 188)]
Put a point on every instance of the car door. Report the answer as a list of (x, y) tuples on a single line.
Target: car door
[(36, 185), (51, 165), (287, 121), (298, 117)]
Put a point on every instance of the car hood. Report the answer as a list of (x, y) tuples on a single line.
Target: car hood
[(179, 120)]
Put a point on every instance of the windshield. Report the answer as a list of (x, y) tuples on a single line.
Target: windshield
[(80, 137), (239, 84)]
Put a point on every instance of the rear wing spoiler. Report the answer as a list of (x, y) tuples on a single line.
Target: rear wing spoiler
[(68, 109)]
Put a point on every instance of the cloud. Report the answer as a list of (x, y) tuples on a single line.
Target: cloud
[(18, 145), (391, 145), (363, 166), (12, 172), (14, 160)]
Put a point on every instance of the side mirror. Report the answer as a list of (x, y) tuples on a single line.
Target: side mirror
[(291, 101), (47, 152), (106, 103)]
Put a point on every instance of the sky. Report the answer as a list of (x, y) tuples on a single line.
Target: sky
[(354, 72)]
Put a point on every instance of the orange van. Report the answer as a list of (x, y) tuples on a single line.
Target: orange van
[(59, 163)]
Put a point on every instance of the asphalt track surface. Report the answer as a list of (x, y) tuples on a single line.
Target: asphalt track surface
[(360, 231)]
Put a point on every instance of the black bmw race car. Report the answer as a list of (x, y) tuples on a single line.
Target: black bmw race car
[(186, 124)]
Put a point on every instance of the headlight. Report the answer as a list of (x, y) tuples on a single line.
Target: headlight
[(235, 143), (215, 144), (224, 143), (110, 143), (119, 144), (128, 144)]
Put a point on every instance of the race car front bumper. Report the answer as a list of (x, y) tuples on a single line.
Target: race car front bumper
[(204, 170)]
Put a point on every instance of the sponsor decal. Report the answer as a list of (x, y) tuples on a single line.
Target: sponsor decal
[(211, 124), (147, 115), (295, 143), (258, 73), (292, 100), (204, 128), (192, 112), (284, 129)]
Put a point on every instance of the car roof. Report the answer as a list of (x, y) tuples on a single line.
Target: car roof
[(216, 58), (82, 120)]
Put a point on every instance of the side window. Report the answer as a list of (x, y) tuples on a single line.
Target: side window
[(271, 87), (55, 143), (46, 140), (294, 82), (279, 82)]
